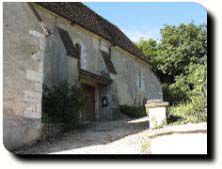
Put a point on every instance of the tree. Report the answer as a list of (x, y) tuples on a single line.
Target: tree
[(179, 47), (149, 47), (179, 59)]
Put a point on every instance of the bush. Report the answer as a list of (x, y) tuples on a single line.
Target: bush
[(174, 94), (194, 87), (187, 112), (133, 111), (62, 104), (179, 60)]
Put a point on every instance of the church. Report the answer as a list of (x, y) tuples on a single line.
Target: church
[(47, 43)]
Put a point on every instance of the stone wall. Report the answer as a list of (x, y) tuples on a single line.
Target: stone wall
[(55, 64), (23, 55), (126, 80)]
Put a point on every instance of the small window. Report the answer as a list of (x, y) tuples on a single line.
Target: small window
[(140, 80)]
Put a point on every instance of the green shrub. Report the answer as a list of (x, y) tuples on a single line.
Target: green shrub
[(179, 60), (194, 87), (133, 111), (187, 112), (62, 104), (174, 94), (146, 147)]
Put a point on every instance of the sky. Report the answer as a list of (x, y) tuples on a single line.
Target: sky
[(145, 19)]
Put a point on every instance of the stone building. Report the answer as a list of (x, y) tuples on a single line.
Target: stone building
[(45, 43)]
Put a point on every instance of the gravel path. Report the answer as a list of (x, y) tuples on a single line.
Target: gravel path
[(125, 137), (116, 137), (128, 145)]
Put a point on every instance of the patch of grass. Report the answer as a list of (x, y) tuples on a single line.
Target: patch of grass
[(146, 147), (164, 124)]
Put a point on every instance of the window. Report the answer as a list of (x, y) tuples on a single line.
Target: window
[(140, 81)]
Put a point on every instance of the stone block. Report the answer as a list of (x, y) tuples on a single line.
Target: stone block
[(32, 97), (29, 113), (38, 87), (34, 76), (33, 112)]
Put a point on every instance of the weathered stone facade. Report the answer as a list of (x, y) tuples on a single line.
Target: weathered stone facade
[(32, 59), (23, 52)]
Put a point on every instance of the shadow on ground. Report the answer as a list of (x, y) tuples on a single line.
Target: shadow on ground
[(88, 135)]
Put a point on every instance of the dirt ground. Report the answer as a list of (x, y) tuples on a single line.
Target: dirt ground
[(116, 137), (124, 137)]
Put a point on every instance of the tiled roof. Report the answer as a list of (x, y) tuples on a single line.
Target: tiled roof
[(79, 14)]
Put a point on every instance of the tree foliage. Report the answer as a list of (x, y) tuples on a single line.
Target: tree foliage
[(179, 59)]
